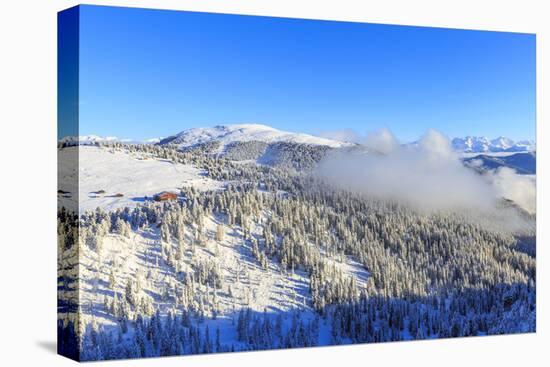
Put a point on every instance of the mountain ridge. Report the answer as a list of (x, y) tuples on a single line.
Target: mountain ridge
[(481, 144), (227, 134)]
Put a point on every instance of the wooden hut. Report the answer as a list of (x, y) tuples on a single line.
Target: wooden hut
[(166, 196)]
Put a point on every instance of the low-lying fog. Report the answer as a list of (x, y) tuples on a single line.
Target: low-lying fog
[(428, 175)]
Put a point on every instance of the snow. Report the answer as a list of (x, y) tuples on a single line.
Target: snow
[(502, 143), (480, 144), (136, 177), (138, 257), (247, 132), (352, 268), (271, 290)]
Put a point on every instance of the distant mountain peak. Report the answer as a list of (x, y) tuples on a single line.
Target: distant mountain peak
[(481, 144)]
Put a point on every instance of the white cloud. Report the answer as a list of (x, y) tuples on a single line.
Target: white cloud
[(428, 175), (346, 135), (521, 189), (381, 141)]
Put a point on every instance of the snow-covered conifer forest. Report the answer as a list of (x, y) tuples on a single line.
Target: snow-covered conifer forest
[(260, 249)]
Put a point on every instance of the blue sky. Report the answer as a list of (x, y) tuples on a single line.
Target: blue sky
[(150, 73)]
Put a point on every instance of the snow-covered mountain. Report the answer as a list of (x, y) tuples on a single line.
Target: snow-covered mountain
[(227, 134), (245, 257), (476, 144), (224, 135)]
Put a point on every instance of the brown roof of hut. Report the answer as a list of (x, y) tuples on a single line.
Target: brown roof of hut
[(165, 196)]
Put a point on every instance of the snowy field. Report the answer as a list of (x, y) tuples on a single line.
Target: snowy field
[(135, 177)]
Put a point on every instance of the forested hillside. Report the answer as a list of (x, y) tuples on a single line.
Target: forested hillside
[(271, 256)]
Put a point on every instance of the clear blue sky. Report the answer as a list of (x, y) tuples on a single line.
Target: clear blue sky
[(150, 73)]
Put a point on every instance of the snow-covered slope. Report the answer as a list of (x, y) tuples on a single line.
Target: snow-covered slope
[(114, 179), (226, 134), (475, 144), (138, 257)]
